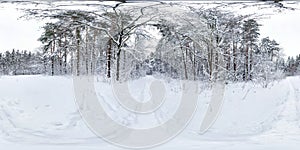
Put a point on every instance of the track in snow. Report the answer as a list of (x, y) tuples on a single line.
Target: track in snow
[(288, 121)]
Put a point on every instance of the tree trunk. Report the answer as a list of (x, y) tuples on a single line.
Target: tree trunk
[(193, 60), (108, 59), (72, 62), (65, 56), (184, 62), (60, 56), (216, 65), (78, 51), (124, 58), (246, 62), (119, 55), (194, 63), (52, 58), (210, 61), (250, 64), (86, 52), (234, 58), (93, 53), (118, 64)]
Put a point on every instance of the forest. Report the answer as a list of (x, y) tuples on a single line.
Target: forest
[(128, 42)]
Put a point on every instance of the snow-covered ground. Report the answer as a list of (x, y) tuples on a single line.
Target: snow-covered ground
[(39, 112)]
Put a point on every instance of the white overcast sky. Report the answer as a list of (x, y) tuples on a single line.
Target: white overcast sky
[(23, 34), (18, 33), (285, 29)]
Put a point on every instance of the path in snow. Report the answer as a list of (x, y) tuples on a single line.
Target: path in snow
[(287, 125), (288, 121)]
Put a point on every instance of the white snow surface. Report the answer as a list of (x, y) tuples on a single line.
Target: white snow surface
[(39, 112)]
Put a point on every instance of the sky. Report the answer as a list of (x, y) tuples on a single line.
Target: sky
[(18, 33), (22, 34), (285, 29)]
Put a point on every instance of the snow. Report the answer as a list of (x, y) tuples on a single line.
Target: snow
[(39, 112)]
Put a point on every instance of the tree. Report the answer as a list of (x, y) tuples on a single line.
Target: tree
[(250, 37)]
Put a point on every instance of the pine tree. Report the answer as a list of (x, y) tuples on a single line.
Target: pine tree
[(250, 37)]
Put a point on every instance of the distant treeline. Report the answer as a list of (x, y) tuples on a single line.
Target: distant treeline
[(292, 66), (25, 62), (17, 62)]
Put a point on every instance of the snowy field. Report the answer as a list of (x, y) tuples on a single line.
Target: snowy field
[(39, 112)]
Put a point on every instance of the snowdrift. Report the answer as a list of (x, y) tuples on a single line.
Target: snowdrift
[(40, 112)]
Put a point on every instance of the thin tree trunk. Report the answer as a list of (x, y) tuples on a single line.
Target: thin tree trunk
[(209, 58), (227, 60), (65, 55), (194, 63), (86, 52), (52, 58), (118, 65), (108, 63), (93, 53), (118, 55), (216, 65), (72, 62), (250, 64), (246, 62), (78, 50), (192, 59), (234, 58), (124, 58), (60, 56), (184, 62)]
